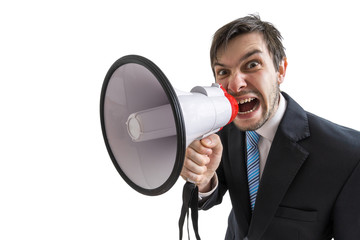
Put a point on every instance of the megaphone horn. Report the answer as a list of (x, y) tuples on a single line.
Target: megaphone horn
[(147, 124)]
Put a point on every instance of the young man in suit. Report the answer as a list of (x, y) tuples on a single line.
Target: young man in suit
[(304, 178)]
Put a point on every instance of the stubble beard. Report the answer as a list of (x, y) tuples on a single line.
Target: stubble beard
[(268, 112)]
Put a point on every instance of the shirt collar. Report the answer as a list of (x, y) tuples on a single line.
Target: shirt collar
[(268, 130)]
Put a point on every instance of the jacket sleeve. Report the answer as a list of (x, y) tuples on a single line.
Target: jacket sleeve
[(216, 197), (346, 215)]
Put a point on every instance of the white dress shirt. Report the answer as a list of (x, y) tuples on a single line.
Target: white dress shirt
[(267, 134)]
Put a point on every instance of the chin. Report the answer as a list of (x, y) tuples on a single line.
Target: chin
[(249, 124), (244, 126)]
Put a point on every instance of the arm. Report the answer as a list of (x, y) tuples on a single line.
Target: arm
[(200, 168), (217, 193)]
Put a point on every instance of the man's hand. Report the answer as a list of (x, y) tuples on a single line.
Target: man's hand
[(202, 158)]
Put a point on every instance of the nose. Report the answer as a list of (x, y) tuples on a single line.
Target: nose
[(236, 82)]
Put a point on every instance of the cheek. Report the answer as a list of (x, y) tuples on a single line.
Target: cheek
[(223, 83), (265, 85), (265, 94), (259, 85)]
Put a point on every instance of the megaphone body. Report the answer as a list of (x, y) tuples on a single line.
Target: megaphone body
[(147, 124), (205, 111)]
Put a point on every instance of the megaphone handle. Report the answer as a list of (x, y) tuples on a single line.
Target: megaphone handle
[(190, 200)]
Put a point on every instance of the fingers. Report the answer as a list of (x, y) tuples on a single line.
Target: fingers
[(202, 159), (198, 153), (198, 165), (195, 162)]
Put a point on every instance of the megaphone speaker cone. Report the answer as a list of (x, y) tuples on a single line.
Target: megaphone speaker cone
[(147, 125), (133, 85)]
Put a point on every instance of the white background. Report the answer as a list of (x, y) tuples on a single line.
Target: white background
[(56, 179)]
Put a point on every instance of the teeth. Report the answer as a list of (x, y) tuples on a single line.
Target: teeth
[(246, 112), (242, 101)]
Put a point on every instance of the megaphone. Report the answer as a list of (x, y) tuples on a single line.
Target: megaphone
[(147, 124)]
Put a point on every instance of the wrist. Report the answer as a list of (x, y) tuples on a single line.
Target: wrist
[(211, 184), (205, 188)]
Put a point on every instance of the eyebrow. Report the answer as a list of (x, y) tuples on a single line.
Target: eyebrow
[(247, 55)]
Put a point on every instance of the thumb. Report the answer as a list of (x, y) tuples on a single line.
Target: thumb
[(213, 141)]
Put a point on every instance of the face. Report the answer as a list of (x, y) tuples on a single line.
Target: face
[(246, 70)]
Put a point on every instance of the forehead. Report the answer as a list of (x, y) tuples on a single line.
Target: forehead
[(241, 45)]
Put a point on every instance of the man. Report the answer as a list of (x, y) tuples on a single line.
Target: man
[(305, 180)]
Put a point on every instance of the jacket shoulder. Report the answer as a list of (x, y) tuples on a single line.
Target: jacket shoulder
[(332, 133)]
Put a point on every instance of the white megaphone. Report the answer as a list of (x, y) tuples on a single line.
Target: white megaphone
[(147, 125)]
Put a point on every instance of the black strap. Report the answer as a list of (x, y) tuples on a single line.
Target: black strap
[(190, 200)]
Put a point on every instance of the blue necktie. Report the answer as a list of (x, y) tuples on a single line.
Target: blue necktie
[(253, 165)]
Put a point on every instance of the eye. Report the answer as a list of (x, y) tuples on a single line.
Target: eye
[(222, 72), (252, 64)]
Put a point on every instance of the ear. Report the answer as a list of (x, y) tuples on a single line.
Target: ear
[(282, 70)]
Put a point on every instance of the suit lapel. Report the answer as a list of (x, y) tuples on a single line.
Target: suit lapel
[(238, 185), (285, 158)]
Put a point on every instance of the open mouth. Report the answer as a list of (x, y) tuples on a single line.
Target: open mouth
[(248, 105)]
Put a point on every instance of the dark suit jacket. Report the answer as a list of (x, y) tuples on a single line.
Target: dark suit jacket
[(310, 187)]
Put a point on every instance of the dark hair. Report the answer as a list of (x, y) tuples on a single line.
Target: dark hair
[(248, 24)]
